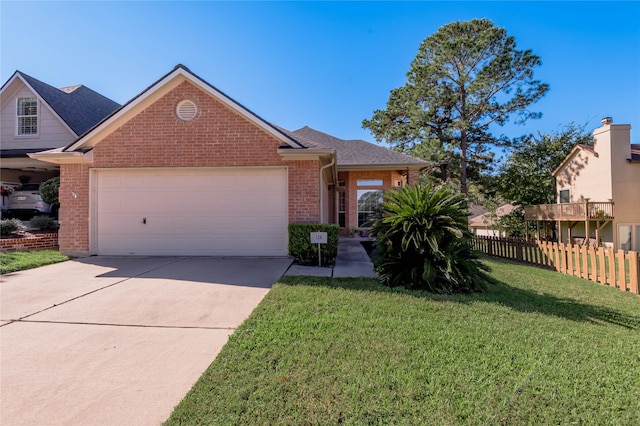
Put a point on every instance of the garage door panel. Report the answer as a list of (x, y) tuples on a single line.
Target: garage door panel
[(212, 212)]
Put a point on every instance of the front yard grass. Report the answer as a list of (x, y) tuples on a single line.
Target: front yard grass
[(13, 261), (539, 348)]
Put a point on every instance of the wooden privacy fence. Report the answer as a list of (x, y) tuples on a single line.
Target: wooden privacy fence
[(615, 268)]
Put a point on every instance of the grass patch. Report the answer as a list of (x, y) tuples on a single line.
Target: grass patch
[(13, 261), (539, 348)]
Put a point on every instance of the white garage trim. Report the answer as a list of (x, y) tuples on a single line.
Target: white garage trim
[(226, 211)]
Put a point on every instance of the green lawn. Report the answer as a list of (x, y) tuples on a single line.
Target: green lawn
[(539, 348), (13, 261)]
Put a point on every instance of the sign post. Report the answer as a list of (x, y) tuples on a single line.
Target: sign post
[(319, 238)]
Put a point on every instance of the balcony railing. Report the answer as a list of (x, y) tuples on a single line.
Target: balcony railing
[(570, 211)]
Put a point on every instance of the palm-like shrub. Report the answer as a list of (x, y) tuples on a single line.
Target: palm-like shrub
[(423, 242)]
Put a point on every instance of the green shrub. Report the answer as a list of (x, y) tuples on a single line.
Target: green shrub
[(49, 191), (44, 223), (304, 252), (423, 242), (11, 226)]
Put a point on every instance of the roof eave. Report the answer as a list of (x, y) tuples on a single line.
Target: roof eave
[(67, 157), (289, 154), (414, 166)]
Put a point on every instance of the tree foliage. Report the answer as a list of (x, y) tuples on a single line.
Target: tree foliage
[(465, 77), (525, 177), (423, 241)]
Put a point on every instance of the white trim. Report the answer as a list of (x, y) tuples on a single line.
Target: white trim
[(35, 135), (58, 157)]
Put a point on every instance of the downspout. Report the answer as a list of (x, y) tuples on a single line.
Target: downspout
[(333, 161)]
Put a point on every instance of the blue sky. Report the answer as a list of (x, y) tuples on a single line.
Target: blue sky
[(327, 65)]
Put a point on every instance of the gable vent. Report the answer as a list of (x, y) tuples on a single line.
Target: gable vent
[(186, 110)]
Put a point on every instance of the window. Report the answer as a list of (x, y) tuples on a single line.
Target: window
[(368, 202), (369, 182), (27, 113), (564, 196), (341, 209)]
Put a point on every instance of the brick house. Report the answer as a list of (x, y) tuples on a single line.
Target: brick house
[(183, 169)]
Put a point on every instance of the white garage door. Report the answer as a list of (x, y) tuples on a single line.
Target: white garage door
[(195, 212)]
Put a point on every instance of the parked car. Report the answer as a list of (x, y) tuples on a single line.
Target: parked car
[(6, 189), (26, 201)]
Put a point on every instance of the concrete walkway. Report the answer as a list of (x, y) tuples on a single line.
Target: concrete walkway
[(352, 261), (118, 341)]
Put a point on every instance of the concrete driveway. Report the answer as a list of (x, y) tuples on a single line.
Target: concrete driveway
[(108, 340)]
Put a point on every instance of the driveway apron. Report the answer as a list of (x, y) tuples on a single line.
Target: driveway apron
[(118, 341)]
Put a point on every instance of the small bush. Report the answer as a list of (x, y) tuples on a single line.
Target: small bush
[(11, 226), (423, 242), (304, 252), (44, 223), (49, 191)]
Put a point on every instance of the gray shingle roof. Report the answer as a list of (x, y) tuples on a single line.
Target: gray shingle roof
[(78, 106), (354, 152)]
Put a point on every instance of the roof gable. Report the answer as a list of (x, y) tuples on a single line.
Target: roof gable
[(78, 107), (164, 85), (585, 148)]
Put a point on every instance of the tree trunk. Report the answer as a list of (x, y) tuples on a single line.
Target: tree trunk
[(463, 163)]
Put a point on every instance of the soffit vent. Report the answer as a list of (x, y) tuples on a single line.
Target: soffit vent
[(186, 110)]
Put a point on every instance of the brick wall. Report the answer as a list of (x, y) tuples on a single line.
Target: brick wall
[(217, 137), (73, 235), (36, 242), (304, 191)]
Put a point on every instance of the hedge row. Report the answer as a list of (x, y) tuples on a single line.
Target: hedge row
[(306, 253)]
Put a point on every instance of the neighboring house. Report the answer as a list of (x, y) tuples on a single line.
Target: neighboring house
[(598, 191), (183, 169), (487, 225), (37, 116)]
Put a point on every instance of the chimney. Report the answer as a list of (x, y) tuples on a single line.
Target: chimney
[(606, 121)]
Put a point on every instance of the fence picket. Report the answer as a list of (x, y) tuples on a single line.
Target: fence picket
[(611, 269), (577, 261), (634, 286), (556, 249), (598, 265), (593, 269), (569, 256), (602, 273), (622, 276)]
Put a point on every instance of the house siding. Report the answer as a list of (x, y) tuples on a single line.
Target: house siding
[(156, 137), (603, 177), (51, 132)]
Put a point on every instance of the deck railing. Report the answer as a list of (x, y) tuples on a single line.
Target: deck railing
[(570, 211)]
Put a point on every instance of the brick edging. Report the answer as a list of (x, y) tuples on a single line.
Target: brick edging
[(36, 242)]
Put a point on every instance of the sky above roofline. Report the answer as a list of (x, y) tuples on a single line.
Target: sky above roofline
[(327, 65)]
